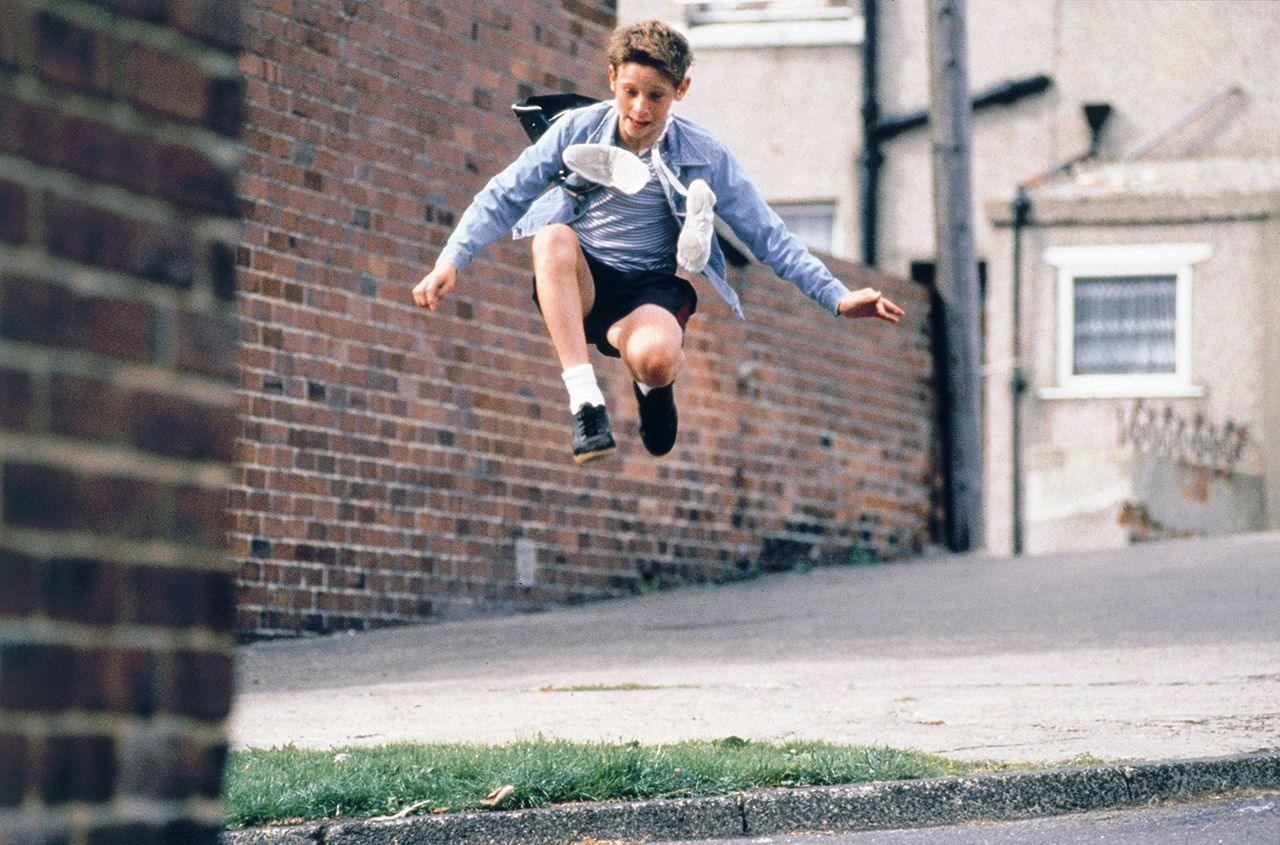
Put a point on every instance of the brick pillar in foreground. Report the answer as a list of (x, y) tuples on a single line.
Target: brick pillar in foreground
[(117, 418)]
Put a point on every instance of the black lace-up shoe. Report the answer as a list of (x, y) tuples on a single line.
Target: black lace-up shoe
[(657, 418), (592, 436)]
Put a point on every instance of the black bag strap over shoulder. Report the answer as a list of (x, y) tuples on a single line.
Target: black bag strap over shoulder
[(537, 113)]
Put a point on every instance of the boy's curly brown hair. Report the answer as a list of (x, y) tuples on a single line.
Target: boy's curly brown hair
[(653, 43)]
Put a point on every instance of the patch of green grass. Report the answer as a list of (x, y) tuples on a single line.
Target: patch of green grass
[(860, 557), (292, 784)]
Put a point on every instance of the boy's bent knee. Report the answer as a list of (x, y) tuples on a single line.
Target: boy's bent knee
[(655, 362), (659, 373), (556, 240)]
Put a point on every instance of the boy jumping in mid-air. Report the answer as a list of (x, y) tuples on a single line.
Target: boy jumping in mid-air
[(611, 265)]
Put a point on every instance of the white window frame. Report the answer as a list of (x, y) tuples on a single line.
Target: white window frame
[(763, 11), (780, 26), (837, 247), (1116, 260)]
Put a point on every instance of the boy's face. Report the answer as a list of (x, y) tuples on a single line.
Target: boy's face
[(643, 95)]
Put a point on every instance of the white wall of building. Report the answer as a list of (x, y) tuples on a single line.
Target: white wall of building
[(792, 115)]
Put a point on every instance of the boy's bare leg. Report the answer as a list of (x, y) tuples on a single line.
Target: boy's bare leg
[(565, 290), (649, 339)]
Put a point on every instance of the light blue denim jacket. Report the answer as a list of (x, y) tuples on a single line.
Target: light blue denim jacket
[(517, 199)]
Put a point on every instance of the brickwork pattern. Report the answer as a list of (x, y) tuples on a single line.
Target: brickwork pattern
[(397, 465), (118, 125)]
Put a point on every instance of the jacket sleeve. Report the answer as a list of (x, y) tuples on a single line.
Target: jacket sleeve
[(508, 195), (740, 204)]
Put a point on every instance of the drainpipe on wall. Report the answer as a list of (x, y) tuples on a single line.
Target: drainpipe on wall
[(1096, 114), (876, 131), (871, 158), (1018, 380)]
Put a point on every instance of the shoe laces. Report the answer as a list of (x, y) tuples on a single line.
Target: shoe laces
[(592, 419)]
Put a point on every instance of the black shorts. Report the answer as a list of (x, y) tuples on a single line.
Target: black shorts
[(619, 292)]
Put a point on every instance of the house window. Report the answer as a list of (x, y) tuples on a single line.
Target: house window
[(772, 23), (1124, 325), (1124, 319), (813, 223)]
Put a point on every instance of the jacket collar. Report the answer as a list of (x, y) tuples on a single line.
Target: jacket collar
[(682, 148), (679, 147)]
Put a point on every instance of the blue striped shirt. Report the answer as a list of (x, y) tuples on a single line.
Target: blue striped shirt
[(631, 233)]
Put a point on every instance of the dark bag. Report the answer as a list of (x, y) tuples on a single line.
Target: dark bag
[(537, 113)]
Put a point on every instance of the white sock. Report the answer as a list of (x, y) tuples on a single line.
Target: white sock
[(643, 388), (583, 389)]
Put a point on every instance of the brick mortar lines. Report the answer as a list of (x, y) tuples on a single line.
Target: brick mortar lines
[(906, 410), (40, 629), (34, 260), (906, 414), (622, 556), (462, 591), (721, 500), (614, 562), (343, 224), (414, 403), (568, 490), (47, 361), (544, 361), (85, 815), (567, 516), (834, 373), (606, 565), (129, 29), (459, 47), (51, 544), (89, 458), (88, 280), (113, 198), (122, 117), (565, 519), (120, 725)]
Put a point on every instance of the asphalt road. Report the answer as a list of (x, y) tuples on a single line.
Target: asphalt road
[(1249, 820), (1167, 650)]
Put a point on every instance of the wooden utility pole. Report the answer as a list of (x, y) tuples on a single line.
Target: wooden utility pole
[(957, 271)]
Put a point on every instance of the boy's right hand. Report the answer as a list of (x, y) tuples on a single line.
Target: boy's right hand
[(428, 292)]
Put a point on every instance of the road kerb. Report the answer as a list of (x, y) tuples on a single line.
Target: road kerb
[(873, 806)]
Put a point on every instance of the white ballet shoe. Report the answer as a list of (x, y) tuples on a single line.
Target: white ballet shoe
[(693, 249), (607, 165)]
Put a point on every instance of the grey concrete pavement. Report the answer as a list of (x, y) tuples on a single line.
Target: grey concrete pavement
[(1168, 650)]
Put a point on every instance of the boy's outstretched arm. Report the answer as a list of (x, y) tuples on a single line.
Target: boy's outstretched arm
[(494, 210), (440, 281), (869, 302), (742, 206)]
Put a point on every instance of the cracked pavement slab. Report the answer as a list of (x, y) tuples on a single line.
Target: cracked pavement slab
[(1166, 650)]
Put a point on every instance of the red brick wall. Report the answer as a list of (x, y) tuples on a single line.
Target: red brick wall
[(397, 465), (117, 417)]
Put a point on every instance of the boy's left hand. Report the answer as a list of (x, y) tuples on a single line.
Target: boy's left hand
[(869, 303)]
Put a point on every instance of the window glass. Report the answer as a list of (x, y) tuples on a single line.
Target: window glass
[(1125, 324), (812, 223)]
